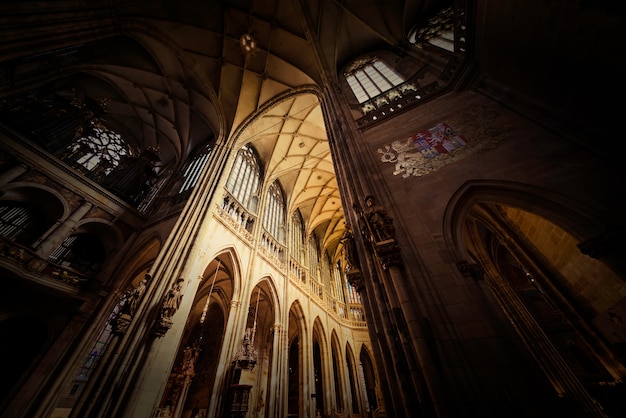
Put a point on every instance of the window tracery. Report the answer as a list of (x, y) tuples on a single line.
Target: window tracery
[(245, 178), (274, 213), (97, 153)]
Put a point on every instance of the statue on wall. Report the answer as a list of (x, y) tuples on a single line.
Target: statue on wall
[(172, 299), (136, 294), (349, 250), (376, 224), (377, 227), (129, 301)]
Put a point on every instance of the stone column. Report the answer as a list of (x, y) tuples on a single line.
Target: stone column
[(276, 391), (12, 173), (60, 231)]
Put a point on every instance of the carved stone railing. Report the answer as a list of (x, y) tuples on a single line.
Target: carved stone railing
[(24, 260), (349, 314), (316, 289), (234, 216), (394, 101), (297, 272), (406, 94), (272, 250)]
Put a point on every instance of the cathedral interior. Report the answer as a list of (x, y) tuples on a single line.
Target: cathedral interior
[(312, 208)]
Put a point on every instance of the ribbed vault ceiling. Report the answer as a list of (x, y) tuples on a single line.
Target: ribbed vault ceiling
[(178, 77)]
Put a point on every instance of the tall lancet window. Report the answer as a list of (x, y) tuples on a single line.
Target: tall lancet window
[(245, 178), (274, 214), (193, 169), (296, 241), (314, 258)]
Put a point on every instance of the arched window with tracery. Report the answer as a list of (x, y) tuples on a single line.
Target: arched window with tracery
[(296, 234), (327, 277), (314, 258), (245, 178), (242, 189), (353, 296), (337, 283), (274, 213)]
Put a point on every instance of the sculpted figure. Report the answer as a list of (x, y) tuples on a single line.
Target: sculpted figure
[(172, 299), (349, 249), (378, 224)]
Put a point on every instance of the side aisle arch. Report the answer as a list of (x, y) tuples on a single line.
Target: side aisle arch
[(524, 242)]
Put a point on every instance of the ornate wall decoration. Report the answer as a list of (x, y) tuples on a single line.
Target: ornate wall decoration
[(430, 149)]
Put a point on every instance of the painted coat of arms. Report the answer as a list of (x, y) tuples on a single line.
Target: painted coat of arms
[(431, 149), (420, 153)]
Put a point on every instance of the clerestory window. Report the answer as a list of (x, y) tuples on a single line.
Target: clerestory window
[(245, 178), (370, 78), (192, 171), (274, 214), (297, 237)]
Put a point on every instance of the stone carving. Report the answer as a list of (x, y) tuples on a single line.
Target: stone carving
[(349, 251), (134, 296), (376, 224), (121, 323), (172, 299), (377, 227), (190, 357), (129, 302), (170, 305)]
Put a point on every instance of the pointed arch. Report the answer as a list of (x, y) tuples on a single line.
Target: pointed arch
[(338, 372), (564, 212), (296, 369), (368, 375), (321, 380), (523, 241), (201, 348), (222, 276), (353, 373)]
